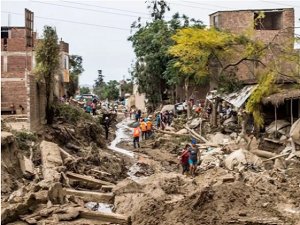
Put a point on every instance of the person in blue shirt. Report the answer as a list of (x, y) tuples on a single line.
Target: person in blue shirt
[(193, 158)]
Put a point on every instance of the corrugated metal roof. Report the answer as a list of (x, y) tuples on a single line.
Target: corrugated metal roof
[(237, 98)]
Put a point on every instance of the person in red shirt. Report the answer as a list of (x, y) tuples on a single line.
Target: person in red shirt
[(184, 159)]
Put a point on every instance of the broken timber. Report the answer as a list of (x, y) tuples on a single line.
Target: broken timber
[(276, 157), (91, 196), (196, 135), (87, 179), (51, 160), (105, 217), (171, 133)]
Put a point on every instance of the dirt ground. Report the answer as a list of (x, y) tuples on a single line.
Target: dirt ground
[(214, 196), (149, 188)]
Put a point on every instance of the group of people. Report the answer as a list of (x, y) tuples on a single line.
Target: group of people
[(143, 130), (90, 106), (163, 119), (189, 158)]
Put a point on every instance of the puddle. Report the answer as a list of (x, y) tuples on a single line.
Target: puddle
[(100, 207)]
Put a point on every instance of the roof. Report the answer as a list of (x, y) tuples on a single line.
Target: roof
[(279, 98), (251, 10), (238, 98)]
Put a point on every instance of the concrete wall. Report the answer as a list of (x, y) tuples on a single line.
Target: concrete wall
[(37, 103)]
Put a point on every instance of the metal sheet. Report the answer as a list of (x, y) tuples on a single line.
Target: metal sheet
[(238, 98)]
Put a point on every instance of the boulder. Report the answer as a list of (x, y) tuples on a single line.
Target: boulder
[(238, 159)]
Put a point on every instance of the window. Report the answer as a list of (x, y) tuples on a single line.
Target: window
[(268, 20)]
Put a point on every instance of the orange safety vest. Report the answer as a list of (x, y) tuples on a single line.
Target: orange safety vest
[(149, 125), (143, 126), (136, 132)]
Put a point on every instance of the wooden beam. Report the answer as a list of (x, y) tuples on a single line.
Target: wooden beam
[(87, 179), (91, 196), (105, 217)]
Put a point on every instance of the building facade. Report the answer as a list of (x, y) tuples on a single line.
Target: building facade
[(265, 25)]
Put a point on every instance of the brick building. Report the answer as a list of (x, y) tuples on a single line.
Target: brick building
[(18, 84), (276, 26), (16, 63)]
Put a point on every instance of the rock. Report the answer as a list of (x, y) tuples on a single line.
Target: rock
[(195, 123), (182, 131), (27, 167), (56, 194), (6, 138), (238, 159), (233, 135), (73, 147), (127, 186), (218, 138), (228, 178)]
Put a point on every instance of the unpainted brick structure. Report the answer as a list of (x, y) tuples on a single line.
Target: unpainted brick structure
[(277, 26), (18, 84)]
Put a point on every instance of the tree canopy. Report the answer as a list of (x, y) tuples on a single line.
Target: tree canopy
[(47, 60)]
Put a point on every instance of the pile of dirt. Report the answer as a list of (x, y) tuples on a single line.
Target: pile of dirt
[(212, 198)]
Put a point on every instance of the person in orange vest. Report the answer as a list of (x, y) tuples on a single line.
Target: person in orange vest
[(136, 137), (149, 128), (143, 127)]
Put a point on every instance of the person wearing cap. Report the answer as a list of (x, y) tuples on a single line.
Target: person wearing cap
[(193, 157)]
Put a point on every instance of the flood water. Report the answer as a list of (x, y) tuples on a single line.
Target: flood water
[(121, 135)]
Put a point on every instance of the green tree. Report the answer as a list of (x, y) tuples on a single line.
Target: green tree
[(152, 70), (75, 62), (47, 59), (84, 90), (111, 91)]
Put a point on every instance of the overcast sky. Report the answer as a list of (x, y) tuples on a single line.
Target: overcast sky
[(98, 30)]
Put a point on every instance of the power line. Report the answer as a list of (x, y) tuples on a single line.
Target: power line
[(93, 10), (69, 21), (201, 3), (282, 4), (97, 6), (190, 6)]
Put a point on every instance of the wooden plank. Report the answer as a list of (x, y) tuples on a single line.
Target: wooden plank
[(91, 196), (87, 179), (105, 217)]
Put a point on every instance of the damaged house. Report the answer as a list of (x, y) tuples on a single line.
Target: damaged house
[(275, 28), (18, 83)]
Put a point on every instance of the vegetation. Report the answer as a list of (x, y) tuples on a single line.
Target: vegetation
[(75, 62), (70, 113), (153, 69), (24, 139), (84, 90), (47, 60)]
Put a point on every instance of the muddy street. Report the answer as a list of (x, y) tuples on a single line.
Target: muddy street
[(88, 183)]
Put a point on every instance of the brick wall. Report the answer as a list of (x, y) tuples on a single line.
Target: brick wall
[(242, 21), (13, 92), (18, 64)]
